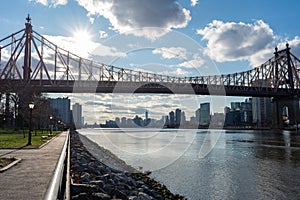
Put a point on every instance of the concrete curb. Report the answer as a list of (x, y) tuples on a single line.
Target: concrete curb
[(47, 142), (10, 165)]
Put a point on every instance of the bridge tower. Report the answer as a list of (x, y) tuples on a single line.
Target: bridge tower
[(27, 53), (285, 110)]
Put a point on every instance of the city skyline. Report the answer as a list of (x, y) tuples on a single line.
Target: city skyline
[(186, 38), (253, 112)]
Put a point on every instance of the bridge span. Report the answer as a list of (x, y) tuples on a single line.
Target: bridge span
[(28, 60), (84, 86)]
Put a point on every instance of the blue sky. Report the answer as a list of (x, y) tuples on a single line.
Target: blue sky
[(186, 38)]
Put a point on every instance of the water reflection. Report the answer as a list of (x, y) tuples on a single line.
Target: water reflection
[(215, 164), (150, 149)]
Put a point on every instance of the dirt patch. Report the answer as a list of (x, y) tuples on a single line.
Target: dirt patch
[(6, 161)]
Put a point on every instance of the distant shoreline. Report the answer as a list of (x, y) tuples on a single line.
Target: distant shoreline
[(212, 127)]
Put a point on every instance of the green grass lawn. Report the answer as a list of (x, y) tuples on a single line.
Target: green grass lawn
[(15, 139)]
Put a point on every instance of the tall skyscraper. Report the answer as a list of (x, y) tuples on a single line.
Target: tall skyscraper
[(172, 119), (166, 120), (123, 122), (147, 120), (146, 115), (204, 114), (262, 111), (183, 118), (177, 117), (197, 115), (246, 111), (61, 109), (77, 115)]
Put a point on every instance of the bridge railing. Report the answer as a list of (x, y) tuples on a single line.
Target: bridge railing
[(59, 187)]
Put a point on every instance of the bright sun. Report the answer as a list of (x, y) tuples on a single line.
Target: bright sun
[(83, 43), (82, 36)]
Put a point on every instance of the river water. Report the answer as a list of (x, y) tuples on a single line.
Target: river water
[(211, 164)]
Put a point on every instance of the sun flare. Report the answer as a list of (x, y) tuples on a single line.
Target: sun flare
[(82, 36), (83, 44)]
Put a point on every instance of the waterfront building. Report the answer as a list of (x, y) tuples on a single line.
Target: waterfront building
[(226, 110), (77, 115), (235, 105), (130, 123), (246, 112), (217, 120), (197, 115), (177, 117), (61, 109), (233, 118), (110, 124), (204, 114), (146, 115), (172, 119), (194, 121), (240, 114), (183, 118), (138, 121), (123, 122), (262, 111), (118, 121), (166, 120), (82, 121), (147, 120)]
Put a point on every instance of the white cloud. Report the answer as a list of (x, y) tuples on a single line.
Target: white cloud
[(80, 48), (195, 62), (84, 48), (51, 3), (43, 2), (135, 17), (171, 52), (177, 73), (103, 50), (92, 20), (238, 41), (194, 2), (294, 45), (5, 55), (103, 34)]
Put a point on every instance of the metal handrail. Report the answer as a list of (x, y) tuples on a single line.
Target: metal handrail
[(58, 188)]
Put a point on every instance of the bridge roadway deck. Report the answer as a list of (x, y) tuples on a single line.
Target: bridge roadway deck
[(70, 86), (29, 179)]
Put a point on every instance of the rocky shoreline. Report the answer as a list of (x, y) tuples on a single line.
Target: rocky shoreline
[(93, 179)]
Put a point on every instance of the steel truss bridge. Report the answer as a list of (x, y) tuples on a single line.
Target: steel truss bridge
[(28, 61)]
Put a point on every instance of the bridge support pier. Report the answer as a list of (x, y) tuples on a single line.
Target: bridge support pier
[(285, 112)]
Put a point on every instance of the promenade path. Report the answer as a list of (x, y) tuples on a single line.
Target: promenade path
[(30, 178)]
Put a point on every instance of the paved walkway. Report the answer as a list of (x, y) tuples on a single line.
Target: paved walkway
[(29, 179)]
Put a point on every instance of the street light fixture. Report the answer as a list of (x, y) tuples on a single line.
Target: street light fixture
[(51, 126), (31, 106)]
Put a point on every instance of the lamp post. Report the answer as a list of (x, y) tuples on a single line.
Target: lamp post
[(31, 106), (51, 125), (58, 125)]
